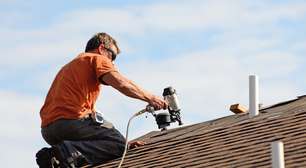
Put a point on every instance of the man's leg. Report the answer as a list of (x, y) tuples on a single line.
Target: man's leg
[(93, 151), (95, 143)]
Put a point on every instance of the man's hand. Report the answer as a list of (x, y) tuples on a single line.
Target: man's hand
[(135, 144), (157, 103)]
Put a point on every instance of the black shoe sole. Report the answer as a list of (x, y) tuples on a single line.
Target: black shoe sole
[(43, 158)]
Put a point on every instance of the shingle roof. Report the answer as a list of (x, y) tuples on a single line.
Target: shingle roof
[(232, 141)]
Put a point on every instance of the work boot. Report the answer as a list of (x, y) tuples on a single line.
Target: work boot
[(46, 159), (62, 160), (52, 158)]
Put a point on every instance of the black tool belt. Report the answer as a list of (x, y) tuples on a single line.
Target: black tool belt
[(103, 123)]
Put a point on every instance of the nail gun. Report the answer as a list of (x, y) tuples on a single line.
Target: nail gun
[(164, 119)]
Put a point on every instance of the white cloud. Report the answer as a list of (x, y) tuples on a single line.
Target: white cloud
[(20, 129), (19, 110), (223, 14), (71, 29)]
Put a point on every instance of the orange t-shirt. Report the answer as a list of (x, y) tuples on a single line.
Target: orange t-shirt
[(75, 88)]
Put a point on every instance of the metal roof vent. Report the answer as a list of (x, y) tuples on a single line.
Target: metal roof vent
[(277, 154), (253, 96)]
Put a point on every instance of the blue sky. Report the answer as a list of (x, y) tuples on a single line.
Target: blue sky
[(204, 48)]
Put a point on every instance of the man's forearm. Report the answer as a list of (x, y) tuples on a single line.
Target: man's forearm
[(126, 86), (130, 89)]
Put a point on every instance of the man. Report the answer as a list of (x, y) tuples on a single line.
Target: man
[(70, 122)]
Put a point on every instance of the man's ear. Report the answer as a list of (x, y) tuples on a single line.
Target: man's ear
[(100, 48)]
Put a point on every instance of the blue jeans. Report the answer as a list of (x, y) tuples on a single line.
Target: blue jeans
[(84, 139)]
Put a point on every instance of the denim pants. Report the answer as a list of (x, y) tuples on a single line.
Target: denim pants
[(86, 139)]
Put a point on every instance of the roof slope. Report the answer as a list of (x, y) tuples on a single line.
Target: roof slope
[(233, 141)]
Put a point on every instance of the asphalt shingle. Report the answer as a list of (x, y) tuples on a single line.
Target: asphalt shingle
[(232, 141)]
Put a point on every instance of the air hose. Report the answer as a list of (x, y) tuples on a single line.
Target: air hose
[(147, 109)]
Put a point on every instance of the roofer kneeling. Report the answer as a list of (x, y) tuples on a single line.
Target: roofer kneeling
[(77, 133)]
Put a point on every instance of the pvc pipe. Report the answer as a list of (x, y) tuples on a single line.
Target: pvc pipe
[(278, 160), (253, 96)]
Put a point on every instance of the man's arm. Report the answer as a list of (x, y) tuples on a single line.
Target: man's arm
[(130, 89)]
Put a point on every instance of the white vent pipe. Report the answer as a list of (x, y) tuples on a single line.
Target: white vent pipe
[(277, 154), (253, 96)]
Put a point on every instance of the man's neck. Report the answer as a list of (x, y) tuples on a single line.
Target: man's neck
[(101, 52)]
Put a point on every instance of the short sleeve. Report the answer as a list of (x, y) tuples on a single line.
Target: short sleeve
[(102, 66)]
